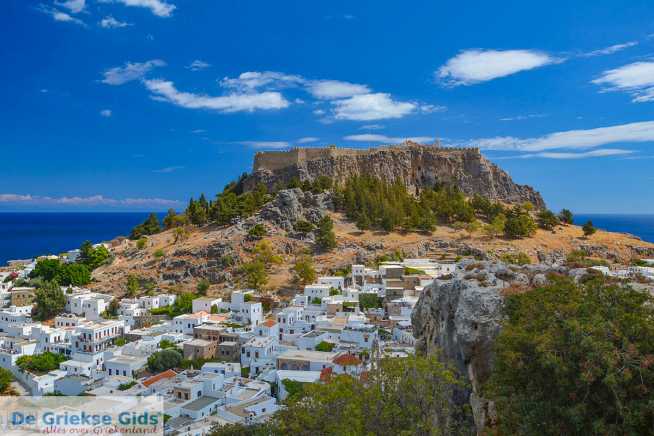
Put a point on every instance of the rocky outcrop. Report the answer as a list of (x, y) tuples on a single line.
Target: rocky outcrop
[(293, 205), (460, 318), (417, 166)]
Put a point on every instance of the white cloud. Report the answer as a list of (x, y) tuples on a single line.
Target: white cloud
[(130, 71), (475, 66), (110, 22), (198, 131), (372, 127), (266, 144), (369, 107), (106, 113), (164, 90), (572, 139), (58, 15), (93, 200), (75, 6), (523, 117), (430, 108), (167, 170), (609, 50), (583, 155), (307, 139), (369, 137), (637, 79), (251, 80), (333, 89), (157, 7), (198, 65)]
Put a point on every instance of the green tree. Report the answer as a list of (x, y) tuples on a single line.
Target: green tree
[(133, 285), (325, 346), (257, 231), (304, 270), (41, 363), (519, 224), (265, 254), (46, 269), (150, 226), (575, 359), (303, 226), (93, 257), (256, 276), (141, 243), (496, 227), (566, 216), (49, 301), (547, 220), (203, 286), (325, 236), (74, 274), (164, 360), (589, 229)]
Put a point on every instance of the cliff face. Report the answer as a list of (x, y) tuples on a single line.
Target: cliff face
[(417, 166)]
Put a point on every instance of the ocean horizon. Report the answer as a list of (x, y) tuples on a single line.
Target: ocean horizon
[(24, 235)]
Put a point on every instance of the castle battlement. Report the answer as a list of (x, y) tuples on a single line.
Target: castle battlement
[(276, 160)]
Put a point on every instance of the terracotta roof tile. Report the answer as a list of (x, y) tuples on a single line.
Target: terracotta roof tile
[(155, 378)]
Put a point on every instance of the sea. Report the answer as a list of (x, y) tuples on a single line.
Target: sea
[(26, 235)]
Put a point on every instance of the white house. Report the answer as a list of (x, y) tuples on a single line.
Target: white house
[(205, 304)]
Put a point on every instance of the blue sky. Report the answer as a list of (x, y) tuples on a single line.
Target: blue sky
[(139, 104)]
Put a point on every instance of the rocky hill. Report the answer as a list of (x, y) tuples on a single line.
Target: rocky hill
[(416, 165), (215, 253)]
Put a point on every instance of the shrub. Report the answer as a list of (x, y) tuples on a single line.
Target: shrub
[(325, 236), (158, 253), (369, 301), (141, 242), (589, 229), (41, 363), (120, 341), (575, 359), (303, 226), (257, 231), (164, 360), (325, 346), (316, 300), (203, 286), (304, 270), (515, 258), (566, 216), (519, 224), (125, 386), (547, 220)]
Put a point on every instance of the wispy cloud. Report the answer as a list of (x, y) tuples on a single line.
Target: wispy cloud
[(93, 200), (333, 89), (372, 127), (307, 139), (253, 80), (609, 50), (567, 155), (523, 117), (168, 170), (475, 66), (571, 139), (163, 90), (636, 78), (110, 22), (198, 65), (61, 16), (74, 6), (383, 139), (157, 7), (273, 145), (130, 71), (106, 113)]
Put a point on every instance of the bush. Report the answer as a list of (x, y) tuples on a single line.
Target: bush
[(515, 258), (141, 243), (588, 228), (40, 363), (125, 386), (159, 253), (566, 216), (150, 226), (370, 301), (120, 342), (317, 301), (325, 346), (165, 343), (303, 226), (164, 360), (203, 286), (304, 270), (575, 359), (413, 271), (519, 224), (257, 231), (547, 220)]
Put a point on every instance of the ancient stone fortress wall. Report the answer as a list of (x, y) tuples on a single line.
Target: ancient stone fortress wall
[(277, 160)]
